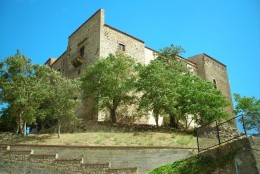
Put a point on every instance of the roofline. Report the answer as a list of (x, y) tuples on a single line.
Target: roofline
[(186, 60), (85, 22), (123, 33), (151, 49), (49, 60), (58, 58), (213, 59)]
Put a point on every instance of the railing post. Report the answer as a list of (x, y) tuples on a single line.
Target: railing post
[(218, 133), (243, 123)]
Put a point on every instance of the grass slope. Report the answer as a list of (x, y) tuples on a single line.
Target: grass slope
[(107, 135)]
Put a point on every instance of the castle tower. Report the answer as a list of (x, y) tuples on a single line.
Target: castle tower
[(214, 71)]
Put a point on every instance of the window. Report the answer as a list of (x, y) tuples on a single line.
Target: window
[(215, 83), (121, 47), (81, 51)]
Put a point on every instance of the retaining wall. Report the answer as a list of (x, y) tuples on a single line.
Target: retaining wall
[(86, 159)]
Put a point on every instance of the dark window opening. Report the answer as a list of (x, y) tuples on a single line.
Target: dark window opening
[(121, 47), (81, 51), (215, 83)]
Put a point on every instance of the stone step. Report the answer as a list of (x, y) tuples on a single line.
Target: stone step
[(3, 147), (87, 166), (19, 152), (126, 170), (43, 156), (69, 160), (95, 168)]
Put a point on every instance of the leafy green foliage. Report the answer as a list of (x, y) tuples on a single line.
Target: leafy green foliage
[(205, 103), (169, 88), (111, 81), (7, 122), (28, 89), (250, 108), (160, 81), (198, 164), (158, 88), (62, 101), (21, 88)]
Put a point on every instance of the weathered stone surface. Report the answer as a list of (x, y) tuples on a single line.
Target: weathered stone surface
[(95, 39), (96, 159)]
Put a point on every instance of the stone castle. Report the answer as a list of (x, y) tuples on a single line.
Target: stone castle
[(95, 39)]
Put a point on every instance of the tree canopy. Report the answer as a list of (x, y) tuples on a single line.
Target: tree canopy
[(250, 108), (169, 88), (111, 81), (24, 87)]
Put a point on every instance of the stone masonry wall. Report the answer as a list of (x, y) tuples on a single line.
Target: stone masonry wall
[(144, 159), (200, 71), (94, 39), (209, 69), (246, 159), (111, 38), (217, 71), (87, 36)]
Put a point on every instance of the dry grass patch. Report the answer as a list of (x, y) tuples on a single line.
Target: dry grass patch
[(109, 139)]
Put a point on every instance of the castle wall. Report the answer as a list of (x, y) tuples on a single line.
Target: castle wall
[(83, 49), (94, 39), (149, 55), (83, 46), (212, 70), (200, 70), (111, 38), (59, 64)]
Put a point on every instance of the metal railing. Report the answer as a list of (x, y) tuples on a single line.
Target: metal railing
[(215, 134)]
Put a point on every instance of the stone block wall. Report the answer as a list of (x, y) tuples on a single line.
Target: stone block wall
[(83, 159), (86, 37), (210, 69), (95, 39), (111, 38), (246, 158)]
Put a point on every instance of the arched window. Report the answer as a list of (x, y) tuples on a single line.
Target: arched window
[(215, 83)]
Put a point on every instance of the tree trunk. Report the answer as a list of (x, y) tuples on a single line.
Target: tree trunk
[(113, 112), (113, 115), (173, 121), (20, 128), (157, 120), (24, 129), (59, 125)]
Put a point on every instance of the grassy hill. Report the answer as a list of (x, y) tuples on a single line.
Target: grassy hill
[(93, 134)]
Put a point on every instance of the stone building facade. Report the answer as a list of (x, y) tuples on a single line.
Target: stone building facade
[(94, 39)]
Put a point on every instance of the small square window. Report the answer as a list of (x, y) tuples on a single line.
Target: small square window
[(121, 47)]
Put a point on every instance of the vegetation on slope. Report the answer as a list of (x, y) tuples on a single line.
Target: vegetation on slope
[(101, 134), (197, 165)]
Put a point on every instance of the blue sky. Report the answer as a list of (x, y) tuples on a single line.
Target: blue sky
[(228, 30)]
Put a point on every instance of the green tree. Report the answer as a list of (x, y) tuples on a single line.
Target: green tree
[(62, 100), (21, 88), (169, 88), (111, 81), (205, 103), (173, 62), (158, 88), (7, 122), (250, 108)]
